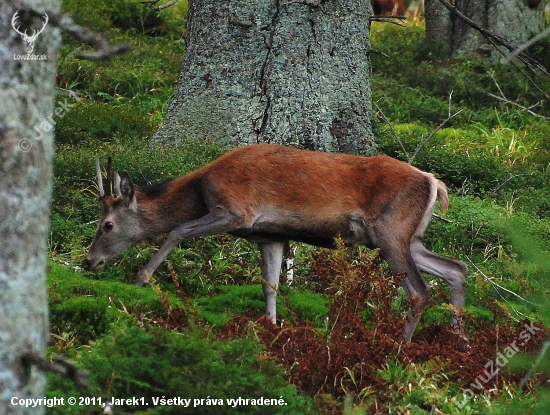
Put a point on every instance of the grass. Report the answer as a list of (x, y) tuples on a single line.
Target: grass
[(205, 336)]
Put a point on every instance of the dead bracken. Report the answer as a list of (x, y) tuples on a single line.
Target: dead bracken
[(364, 332)]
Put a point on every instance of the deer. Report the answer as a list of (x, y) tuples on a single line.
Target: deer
[(270, 194), (29, 40)]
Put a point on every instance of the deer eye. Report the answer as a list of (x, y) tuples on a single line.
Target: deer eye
[(108, 226)]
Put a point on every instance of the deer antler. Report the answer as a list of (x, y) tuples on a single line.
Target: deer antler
[(46, 20), (35, 33), (99, 178), (13, 19)]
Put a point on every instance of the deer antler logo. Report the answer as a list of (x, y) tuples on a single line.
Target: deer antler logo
[(29, 40)]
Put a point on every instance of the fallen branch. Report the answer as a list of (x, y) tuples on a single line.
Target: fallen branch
[(512, 176), (60, 365), (526, 45), (500, 287)]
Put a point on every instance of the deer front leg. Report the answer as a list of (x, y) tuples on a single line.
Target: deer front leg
[(217, 221), (272, 257)]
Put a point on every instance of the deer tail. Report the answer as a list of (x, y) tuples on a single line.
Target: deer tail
[(443, 196)]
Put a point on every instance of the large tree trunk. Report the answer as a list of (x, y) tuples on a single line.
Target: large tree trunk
[(275, 71), (26, 100), (515, 20)]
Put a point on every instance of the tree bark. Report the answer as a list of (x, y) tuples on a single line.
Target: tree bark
[(439, 26), (515, 20), (275, 71), (26, 97)]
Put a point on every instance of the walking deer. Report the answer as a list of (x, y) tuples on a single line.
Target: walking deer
[(270, 194)]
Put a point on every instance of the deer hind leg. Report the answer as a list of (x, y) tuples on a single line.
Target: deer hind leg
[(272, 257), (416, 288), (450, 270), (418, 293)]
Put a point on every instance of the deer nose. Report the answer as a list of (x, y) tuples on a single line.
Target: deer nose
[(88, 266)]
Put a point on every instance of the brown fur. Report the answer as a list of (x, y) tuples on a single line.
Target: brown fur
[(315, 190), (388, 7)]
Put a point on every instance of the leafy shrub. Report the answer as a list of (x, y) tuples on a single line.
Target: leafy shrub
[(150, 363)]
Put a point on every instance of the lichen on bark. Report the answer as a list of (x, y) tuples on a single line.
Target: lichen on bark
[(275, 71)]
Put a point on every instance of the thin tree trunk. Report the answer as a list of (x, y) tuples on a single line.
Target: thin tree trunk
[(26, 100), (275, 71), (439, 26)]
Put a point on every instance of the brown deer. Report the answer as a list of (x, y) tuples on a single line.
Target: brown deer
[(270, 194)]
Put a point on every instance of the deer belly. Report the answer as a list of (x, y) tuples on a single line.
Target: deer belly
[(319, 231)]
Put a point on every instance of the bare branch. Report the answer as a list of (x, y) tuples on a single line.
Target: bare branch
[(504, 99), (103, 50), (60, 365), (151, 4), (385, 119), (512, 176), (526, 45), (389, 19), (500, 287), (441, 218), (496, 41)]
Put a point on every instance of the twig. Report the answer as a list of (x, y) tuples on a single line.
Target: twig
[(512, 176), (490, 279), (385, 119), (520, 49), (504, 99), (389, 19), (529, 111), (439, 127), (151, 3), (441, 218), (60, 365)]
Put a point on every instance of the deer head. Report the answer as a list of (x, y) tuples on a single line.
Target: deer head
[(119, 225), (29, 40)]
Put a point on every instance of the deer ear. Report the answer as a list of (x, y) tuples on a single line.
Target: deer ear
[(127, 191)]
